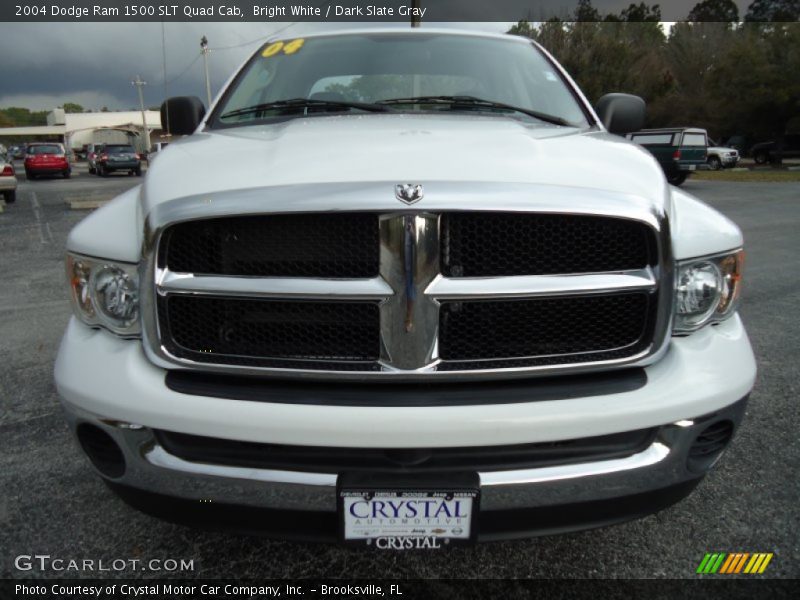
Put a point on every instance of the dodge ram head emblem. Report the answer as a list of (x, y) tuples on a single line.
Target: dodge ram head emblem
[(409, 192)]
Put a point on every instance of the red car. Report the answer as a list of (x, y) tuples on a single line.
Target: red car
[(46, 159)]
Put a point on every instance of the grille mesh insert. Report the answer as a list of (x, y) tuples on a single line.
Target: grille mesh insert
[(543, 327), (247, 331), (306, 245), (501, 244)]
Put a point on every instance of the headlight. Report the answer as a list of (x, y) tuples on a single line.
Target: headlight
[(707, 290), (105, 293)]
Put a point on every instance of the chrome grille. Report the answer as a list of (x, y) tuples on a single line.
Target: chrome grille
[(544, 327), (295, 245), (497, 244), (268, 332), (416, 317)]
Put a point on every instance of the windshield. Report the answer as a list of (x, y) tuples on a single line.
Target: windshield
[(375, 68), (50, 149), (118, 149)]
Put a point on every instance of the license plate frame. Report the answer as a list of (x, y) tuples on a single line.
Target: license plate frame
[(442, 528)]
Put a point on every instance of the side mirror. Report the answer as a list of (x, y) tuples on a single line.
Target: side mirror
[(182, 114), (621, 113)]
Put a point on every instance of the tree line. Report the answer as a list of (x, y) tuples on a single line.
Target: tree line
[(714, 71)]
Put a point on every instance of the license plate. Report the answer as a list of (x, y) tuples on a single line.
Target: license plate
[(692, 167), (407, 519)]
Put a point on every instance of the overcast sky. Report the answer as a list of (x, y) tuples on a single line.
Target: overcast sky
[(44, 65)]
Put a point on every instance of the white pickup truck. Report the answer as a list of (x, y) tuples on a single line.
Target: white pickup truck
[(405, 289)]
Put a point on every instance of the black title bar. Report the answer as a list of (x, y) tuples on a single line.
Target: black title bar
[(381, 10)]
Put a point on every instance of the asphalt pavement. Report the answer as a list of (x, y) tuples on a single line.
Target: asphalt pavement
[(53, 503)]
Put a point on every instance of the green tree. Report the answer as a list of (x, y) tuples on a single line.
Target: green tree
[(693, 54), (715, 10), (759, 72), (773, 10), (71, 107), (614, 55), (21, 117)]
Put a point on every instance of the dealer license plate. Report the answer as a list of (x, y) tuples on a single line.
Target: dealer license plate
[(408, 519)]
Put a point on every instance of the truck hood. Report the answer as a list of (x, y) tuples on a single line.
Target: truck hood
[(721, 149), (401, 148)]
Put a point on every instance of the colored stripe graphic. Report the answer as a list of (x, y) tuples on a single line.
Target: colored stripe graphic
[(728, 563), (734, 562), (764, 564), (703, 563)]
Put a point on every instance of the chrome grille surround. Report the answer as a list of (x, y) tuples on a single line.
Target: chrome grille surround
[(409, 331)]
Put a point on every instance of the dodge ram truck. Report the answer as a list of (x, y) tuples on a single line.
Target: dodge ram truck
[(405, 289)]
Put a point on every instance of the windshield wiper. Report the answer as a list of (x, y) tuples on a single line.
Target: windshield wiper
[(303, 103), (472, 101)]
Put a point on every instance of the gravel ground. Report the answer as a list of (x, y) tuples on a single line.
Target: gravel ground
[(54, 504)]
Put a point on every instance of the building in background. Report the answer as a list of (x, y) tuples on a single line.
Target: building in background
[(75, 130)]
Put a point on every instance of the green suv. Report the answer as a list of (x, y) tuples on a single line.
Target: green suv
[(679, 151)]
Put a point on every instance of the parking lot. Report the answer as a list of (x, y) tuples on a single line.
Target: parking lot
[(53, 503)]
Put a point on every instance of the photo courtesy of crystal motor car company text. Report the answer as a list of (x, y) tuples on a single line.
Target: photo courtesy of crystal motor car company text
[(371, 250)]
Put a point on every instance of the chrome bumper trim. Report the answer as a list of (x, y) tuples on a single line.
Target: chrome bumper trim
[(653, 454), (158, 457), (656, 452), (150, 467)]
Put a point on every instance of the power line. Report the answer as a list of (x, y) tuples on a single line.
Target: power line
[(186, 70)]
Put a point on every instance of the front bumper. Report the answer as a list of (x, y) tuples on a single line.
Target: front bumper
[(729, 161), (703, 379)]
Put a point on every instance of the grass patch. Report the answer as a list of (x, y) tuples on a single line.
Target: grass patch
[(757, 176)]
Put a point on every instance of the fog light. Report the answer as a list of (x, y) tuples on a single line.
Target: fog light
[(709, 446), (102, 450)]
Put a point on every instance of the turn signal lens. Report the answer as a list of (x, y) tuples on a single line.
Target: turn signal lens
[(731, 268), (78, 273)]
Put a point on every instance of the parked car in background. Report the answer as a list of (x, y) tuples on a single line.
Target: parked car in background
[(8, 180), (721, 157), (739, 143), (680, 151), (92, 152), (776, 151), (118, 157), (46, 159), (16, 151)]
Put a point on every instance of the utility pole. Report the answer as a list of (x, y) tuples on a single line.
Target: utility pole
[(414, 18), (165, 126), (139, 84), (204, 46)]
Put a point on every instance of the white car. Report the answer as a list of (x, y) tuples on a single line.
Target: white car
[(409, 289), (720, 157), (8, 180)]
